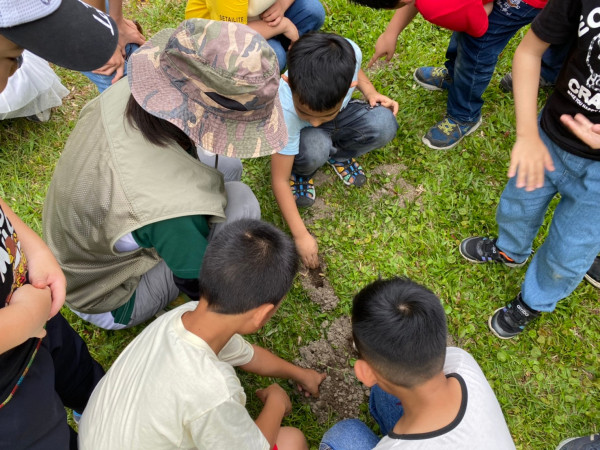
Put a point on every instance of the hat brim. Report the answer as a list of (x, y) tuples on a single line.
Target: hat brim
[(219, 134), (76, 36)]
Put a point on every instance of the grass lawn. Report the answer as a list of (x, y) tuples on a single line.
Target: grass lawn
[(407, 220)]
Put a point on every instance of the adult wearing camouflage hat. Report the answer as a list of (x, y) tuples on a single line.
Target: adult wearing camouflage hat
[(130, 209)]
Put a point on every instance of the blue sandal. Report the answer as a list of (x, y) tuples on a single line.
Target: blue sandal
[(303, 190), (350, 172)]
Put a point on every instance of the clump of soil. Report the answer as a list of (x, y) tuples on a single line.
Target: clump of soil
[(396, 187), (341, 393), (318, 288)]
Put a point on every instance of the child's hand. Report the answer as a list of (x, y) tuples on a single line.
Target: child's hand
[(387, 102), (310, 381), (36, 304), (273, 15), (275, 393), (385, 46), (308, 249), (44, 271), (291, 32), (583, 128), (528, 160)]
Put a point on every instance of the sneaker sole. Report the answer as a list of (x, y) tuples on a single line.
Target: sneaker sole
[(429, 87), (494, 331), (593, 282), (472, 130), (476, 261)]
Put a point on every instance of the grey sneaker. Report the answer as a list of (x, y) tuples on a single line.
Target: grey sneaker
[(509, 321), (483, 250), (506, 83), (432, 78), (593, 274), (581, 443)]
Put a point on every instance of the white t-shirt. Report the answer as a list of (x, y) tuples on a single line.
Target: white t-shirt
[(169, 390), (480, 423)]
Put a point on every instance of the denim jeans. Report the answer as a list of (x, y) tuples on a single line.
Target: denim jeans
[(352, 434), (356, 130), (307, 15), (471, 61), (103, 82), (568, 251)]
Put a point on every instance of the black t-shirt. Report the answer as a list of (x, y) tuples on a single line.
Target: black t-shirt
[(578, 86), (13, 274)]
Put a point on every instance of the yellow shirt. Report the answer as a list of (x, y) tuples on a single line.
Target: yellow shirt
[(223, 10)]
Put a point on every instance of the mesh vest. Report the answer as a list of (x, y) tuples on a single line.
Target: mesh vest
[(108, 182)]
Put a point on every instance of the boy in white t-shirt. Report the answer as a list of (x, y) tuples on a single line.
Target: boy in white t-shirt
[(423, 395), (175, 385)]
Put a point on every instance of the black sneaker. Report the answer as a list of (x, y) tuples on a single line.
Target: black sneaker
[(506, 83), (483, 250), (581, 443), (593, 274), (510, 320)]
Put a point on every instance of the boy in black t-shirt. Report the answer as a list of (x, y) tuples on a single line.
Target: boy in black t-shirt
[(562, 157)]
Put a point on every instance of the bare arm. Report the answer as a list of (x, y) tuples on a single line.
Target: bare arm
[(43, 268), (529, 157), (373, 97), (281, 169), (267, 364), (24, 317), (386, 43), (284, 26), (277, 406)]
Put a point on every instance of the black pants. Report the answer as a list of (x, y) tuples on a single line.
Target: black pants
[(62, 374)]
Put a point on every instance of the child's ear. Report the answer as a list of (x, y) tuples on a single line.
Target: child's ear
[(364, 373), (262, 314)]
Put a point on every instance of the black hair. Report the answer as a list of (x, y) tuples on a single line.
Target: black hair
[(399, 328), (156, 130), (247, 264), (377, 4), (320, 69)]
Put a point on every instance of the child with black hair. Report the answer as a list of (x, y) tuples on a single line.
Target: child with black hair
[(175, 386), (325, 126), (423, 394)]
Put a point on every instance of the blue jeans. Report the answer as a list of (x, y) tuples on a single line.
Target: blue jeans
[(352, 434), (307, 15), (471, 61), (568, 251), (356, 130), (103, 82)]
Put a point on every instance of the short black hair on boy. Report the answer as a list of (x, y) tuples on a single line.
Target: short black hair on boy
[(377, 4), (399, 328), (247, 264), (320, 69)]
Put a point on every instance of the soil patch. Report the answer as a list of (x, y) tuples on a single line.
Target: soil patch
[(318, 288), (396, 187), (341, 393)]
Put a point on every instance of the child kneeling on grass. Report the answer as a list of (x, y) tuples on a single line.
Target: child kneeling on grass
[(560, 156), (423, 394), (175, 385), (325, 126)]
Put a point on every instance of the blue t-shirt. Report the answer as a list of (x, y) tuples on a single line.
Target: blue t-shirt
[(292, 121)]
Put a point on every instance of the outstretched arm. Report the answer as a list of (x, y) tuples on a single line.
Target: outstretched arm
[(267, 364), (281, 169), (386, 43), (530, 157)]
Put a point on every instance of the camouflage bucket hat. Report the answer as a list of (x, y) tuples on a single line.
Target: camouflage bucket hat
[(216, 81)]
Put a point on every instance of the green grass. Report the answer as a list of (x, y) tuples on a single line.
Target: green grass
[(546, 380)]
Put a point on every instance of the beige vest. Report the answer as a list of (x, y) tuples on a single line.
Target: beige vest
[(108, 182)]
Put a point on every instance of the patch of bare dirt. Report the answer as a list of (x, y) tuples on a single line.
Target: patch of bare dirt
[(318, 288), (341, 393), (396, 187), (318, 211)]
